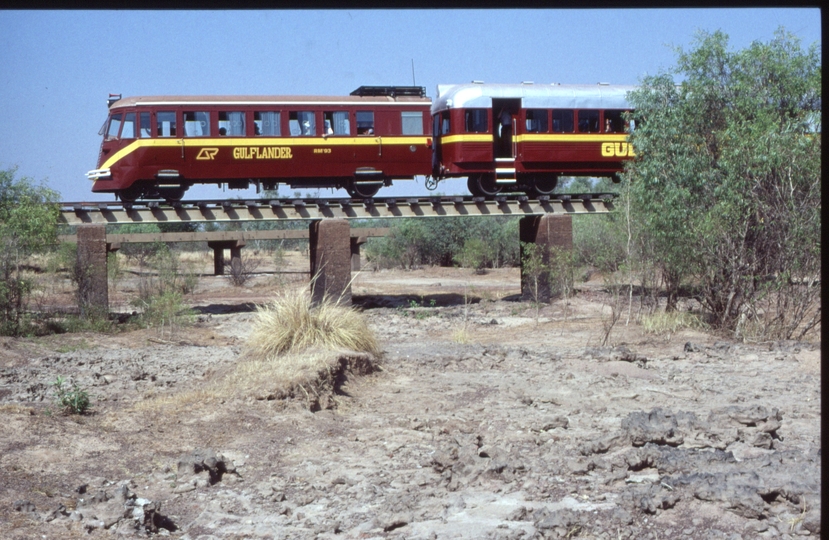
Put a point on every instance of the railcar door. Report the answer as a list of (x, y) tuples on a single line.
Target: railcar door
[(504, 118)]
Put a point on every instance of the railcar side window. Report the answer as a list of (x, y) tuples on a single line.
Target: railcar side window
[(365, 122), (196, 124), (337, 123), (114, 126), (537, 121), (165, 122), (266, 123), (562, 121), (444, 123), (412, 122), (302, 123), (231, 124), (589, 121), (614, 122), (145, 127), (475, 120), (128, 131)]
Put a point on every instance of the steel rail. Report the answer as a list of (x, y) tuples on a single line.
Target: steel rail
[(79, 213)]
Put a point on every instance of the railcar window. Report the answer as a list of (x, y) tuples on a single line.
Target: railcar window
[(231, 124), (365, 122), (589, 121), (196, 124), (114, 126), (537, 121), (412, 122), (614, 122), (266, 123), (128, 129), (145, 126), (337, 123), (444, 123), (302, 123), (475, 120), (165, 122), (562, 121)]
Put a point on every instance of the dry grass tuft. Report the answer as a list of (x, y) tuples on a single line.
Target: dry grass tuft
[(462, 335), (662, 323), (290, 323), (297, 351)]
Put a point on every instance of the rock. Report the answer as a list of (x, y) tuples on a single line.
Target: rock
[(650, 498), (658, 426), (554, 422), (24, 506), (603, 444), (204, 460), (60, 511), (753, 416)]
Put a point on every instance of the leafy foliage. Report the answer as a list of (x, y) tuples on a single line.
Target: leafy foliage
[(28, 224), (726, 187), (73, 400), (413, 242)]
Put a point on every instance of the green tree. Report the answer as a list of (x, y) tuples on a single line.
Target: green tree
[(28, 224), (726, 186)]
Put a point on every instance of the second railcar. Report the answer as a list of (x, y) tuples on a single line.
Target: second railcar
[(525, 136), (157, 147)]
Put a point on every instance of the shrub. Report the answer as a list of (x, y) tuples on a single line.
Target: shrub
[(166, 311), (73, 400)]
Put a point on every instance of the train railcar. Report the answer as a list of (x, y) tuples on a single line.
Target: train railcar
[(524, 136), (157, 147)]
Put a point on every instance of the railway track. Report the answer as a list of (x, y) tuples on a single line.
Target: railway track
[(282, 209)]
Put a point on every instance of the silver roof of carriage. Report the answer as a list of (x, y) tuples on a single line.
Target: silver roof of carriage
[(541, 96)]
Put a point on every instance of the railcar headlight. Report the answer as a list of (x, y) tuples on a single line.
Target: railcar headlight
[(97, 174)]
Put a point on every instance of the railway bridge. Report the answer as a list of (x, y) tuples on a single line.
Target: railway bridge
[(334, 245)]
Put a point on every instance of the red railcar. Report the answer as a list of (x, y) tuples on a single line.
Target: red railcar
[(160, 146), (524, 136)]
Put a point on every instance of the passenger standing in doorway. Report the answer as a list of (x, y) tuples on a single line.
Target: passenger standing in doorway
[(506, 132)]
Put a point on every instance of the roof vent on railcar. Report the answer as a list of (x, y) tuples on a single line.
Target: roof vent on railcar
[(112, 99), (391, 91)]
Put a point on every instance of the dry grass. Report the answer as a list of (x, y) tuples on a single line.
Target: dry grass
[(662, 323), (462, 335), (290, 323), (296, 351)]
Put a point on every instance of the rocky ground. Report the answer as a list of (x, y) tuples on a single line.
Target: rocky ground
[(486, 420)]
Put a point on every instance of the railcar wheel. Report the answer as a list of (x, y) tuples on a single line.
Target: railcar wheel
[(172, 195), (363, 190), (131, 194), (483, 185), (543, 185)]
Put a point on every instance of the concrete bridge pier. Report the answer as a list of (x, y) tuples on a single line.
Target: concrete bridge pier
[(93, 293), (219, 247), (331, 260), (546, 231)]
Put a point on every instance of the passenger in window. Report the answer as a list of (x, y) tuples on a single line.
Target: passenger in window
[(222, 131), (608, 127)]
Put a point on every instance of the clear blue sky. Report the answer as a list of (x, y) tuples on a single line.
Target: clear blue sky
[(59, 66)]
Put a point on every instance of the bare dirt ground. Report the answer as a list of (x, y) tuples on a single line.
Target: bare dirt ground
[(485, 421)]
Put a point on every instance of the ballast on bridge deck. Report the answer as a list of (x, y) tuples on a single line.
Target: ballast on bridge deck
[(311, 209)]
